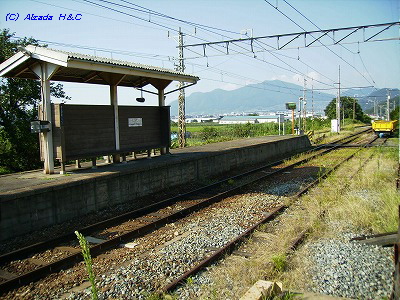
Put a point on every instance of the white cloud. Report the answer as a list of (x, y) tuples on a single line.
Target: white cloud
[(230, 86), (299, 79), (281, 77)]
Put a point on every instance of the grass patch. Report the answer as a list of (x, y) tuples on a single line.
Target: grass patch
[(368, 201), (280, 262)]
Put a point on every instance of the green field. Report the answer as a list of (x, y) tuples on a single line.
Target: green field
[(205, 133)]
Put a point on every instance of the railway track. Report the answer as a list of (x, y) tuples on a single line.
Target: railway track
[(231, 245), (139, 223)]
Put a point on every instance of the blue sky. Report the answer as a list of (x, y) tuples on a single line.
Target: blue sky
[(362, 64)]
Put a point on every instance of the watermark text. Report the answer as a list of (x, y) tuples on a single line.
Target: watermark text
[(42, 17)]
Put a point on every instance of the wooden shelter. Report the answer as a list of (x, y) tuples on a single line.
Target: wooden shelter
[(118, 128)]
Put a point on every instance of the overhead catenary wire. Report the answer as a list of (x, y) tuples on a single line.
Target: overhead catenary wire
[(298, 11), (153, 22), (92, 14), (358, 52), (143, 9), (189, 23), (156, 56), (116, 51), (320, 42), (180, 20), (143, 19)]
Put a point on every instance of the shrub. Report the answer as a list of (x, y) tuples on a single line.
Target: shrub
[(208, 133)]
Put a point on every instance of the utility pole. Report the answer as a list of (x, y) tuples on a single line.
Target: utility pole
[(181, 97), (312, 105), (338, 104), (387, 106), (304, 106), (299, 113)]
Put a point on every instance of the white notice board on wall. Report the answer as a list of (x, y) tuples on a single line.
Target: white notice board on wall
[(135, 122)]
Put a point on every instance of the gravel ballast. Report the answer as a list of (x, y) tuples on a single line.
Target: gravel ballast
[(344, 268), (205, 232)]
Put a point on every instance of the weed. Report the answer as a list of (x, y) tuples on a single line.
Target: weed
[(189, 280), (285, 296), (280, 262), (89, 263)]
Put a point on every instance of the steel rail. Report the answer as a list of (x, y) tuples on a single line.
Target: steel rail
[(228, 248), (71, 259), (24, 252)]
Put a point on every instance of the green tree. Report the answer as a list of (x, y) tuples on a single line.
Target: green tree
[(347, 105), (19, 100)]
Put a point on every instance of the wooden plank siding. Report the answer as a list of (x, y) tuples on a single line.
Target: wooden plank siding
[(147, 135), (84, 131), (88, 129)]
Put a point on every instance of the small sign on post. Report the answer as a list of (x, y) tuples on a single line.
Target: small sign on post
[(135, 122), (40, 126)]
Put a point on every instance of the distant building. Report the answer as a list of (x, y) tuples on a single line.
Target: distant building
[(248, 119), (196, 119)]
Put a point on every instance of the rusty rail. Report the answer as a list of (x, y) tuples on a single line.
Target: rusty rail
[(69, 260), (230, 246)]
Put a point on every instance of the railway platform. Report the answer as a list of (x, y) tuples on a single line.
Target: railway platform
[(33, 200)]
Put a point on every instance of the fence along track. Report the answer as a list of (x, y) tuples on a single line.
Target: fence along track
[(73, 258)]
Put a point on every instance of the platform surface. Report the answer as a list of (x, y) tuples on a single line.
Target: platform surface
[(36, 179)]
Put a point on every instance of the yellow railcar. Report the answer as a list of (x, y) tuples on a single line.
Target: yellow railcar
[(382, 127)]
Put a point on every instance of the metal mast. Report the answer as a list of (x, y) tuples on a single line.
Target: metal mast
[(304, 106), (181, 97), (388, 106), (312, 105), (338, 104)]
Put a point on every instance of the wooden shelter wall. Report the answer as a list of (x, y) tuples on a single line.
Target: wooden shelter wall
[(87, 129), (149, 134), (84, 131)]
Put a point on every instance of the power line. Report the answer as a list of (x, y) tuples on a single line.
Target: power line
[(155, 23), (133, 16), (180, 20), (315, 24), (123, 52), (85, 12), (362, 61), (331, 38), (320, 42), (146, 20), (106, 7)]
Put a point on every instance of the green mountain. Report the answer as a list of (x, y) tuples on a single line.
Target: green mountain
[(377, 98), (265, 96)]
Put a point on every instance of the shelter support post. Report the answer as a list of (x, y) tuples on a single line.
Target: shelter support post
[(161, 98), (114, 103), (94, 165), (45, 71), (48, 136), (161, 102)]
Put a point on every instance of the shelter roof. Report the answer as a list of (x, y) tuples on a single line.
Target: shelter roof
[(76, 67)]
